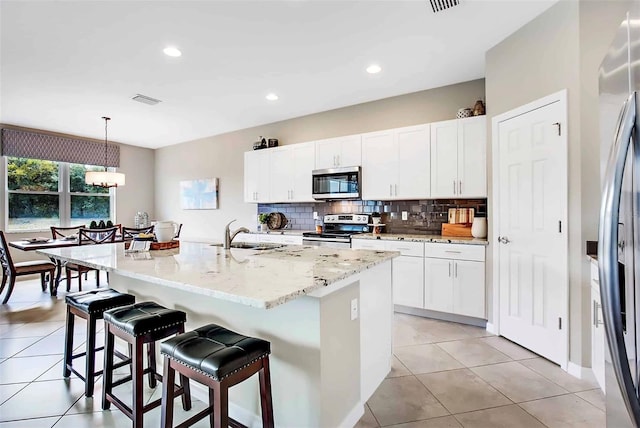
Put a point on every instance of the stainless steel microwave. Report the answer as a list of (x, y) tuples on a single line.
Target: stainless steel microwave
[(337, 183)]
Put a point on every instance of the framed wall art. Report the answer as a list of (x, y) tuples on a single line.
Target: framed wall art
[(199, 194)]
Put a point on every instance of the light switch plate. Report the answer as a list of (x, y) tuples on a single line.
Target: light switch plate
[(405, 215), (354, 309)]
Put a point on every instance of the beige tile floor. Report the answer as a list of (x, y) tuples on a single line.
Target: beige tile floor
[(443, 375)]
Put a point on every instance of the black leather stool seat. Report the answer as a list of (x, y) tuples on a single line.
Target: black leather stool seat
[(214, 350), (145, 317), (97, 301)]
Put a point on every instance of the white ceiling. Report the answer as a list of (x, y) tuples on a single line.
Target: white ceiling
[(64, 64)]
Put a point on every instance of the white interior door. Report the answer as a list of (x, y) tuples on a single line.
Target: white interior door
[(532, 228)]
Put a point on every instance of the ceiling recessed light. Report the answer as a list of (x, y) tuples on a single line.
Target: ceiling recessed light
[(271, 97), (171, 51), (374, 68)]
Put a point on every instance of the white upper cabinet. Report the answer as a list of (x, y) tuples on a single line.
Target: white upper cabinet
[(256, 176), (290, 168), (458, 158), (395, 164), (338, 152)]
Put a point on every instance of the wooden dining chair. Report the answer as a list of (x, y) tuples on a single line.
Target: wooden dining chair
[(64, 232), (90, 237), (128, 233), (12, 270)]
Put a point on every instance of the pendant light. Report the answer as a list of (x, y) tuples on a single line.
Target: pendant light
[(104, 179)]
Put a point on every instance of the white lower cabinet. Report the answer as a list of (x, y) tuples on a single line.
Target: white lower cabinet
[(255, 238), (440, 277), (454, 279)]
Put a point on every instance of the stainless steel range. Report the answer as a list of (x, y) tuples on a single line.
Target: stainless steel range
[(338, 229)]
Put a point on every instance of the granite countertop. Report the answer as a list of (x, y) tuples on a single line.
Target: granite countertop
[(259, 278), (422, 238)]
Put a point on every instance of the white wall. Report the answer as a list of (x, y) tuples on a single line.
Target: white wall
[(562, 48), (222, 155)]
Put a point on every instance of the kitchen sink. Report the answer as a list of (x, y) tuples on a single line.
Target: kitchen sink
[(251, 246)]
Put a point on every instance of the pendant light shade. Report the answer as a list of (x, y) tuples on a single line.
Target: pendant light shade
[(104, 178)]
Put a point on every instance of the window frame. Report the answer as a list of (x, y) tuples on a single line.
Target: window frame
[(64, 194)]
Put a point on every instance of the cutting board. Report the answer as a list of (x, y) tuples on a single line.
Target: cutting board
[(456, 229)]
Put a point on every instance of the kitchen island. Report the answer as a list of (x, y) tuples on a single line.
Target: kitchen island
[(327, 313)]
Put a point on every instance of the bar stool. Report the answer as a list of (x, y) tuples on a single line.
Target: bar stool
[(219, 359), (90, 306), (140, 324)]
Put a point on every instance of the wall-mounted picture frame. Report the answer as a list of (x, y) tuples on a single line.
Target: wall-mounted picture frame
[(201, 194)]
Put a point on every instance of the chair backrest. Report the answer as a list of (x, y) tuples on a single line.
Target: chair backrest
[(63, 232), (97, 236), (6, 263), (128, 233)]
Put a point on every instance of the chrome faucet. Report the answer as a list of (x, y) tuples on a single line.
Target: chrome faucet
[(228, 236)]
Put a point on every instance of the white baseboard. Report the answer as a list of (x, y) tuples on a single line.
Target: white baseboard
[(491, 328), (580, 372)]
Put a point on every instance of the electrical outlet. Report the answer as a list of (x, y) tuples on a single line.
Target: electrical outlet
[(315, 215), (405, 215), (354, 309)]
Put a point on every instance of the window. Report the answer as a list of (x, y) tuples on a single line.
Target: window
[(43, 193)]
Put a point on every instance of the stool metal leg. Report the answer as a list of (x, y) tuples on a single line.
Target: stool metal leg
[(68, 343), (90, 357), (107, 372)]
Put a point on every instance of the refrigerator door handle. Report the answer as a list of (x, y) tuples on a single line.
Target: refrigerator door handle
[(608, 254)]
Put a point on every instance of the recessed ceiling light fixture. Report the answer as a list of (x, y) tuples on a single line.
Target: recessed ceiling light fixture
[(171, 51), (271, 97), (374, 69)]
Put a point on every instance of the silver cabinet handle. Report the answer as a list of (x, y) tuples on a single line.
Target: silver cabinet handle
[(608, 255), (503, 239), (390, 190), (596, 318), (455, 270), (451, 251), (454, 187), (395, 187), (337, 160), (449, 269), (460, 187)]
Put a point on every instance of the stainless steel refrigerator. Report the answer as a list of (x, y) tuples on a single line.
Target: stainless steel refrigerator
[(619, 233)]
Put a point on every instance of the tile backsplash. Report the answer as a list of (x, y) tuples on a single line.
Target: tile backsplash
[(424, 216)]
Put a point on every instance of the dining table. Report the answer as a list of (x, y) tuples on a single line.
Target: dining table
[(46, 244)]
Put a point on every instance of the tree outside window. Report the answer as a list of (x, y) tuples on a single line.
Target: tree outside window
[(43, 193)]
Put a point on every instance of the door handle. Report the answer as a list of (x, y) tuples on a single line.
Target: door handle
[(608, 254), (503, 239)]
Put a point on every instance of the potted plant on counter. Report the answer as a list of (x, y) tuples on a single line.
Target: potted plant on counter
[(263, 218)]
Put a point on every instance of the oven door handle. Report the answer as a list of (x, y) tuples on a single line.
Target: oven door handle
[(608, 251)]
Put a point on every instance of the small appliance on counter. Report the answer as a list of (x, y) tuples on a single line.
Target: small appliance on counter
[(337, 231), (460, 221)]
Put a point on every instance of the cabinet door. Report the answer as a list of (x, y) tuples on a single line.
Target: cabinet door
[(444, 159), (350, 151), (379, 165), (303, 163), (327, 152), (408, 281), (281, 178), (414, 165), (438, 283), (468, 288), (256, 176), (472, 157)]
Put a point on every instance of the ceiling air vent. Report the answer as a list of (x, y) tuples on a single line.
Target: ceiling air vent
[(145, 100), (440, 5)]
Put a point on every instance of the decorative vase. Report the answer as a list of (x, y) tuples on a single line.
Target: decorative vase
[(264, 227), (478, 109), (464, 112), (479, 227)]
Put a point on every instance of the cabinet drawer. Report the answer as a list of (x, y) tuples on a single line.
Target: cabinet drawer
[(415, 249), (368, 244), (454, 251)]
